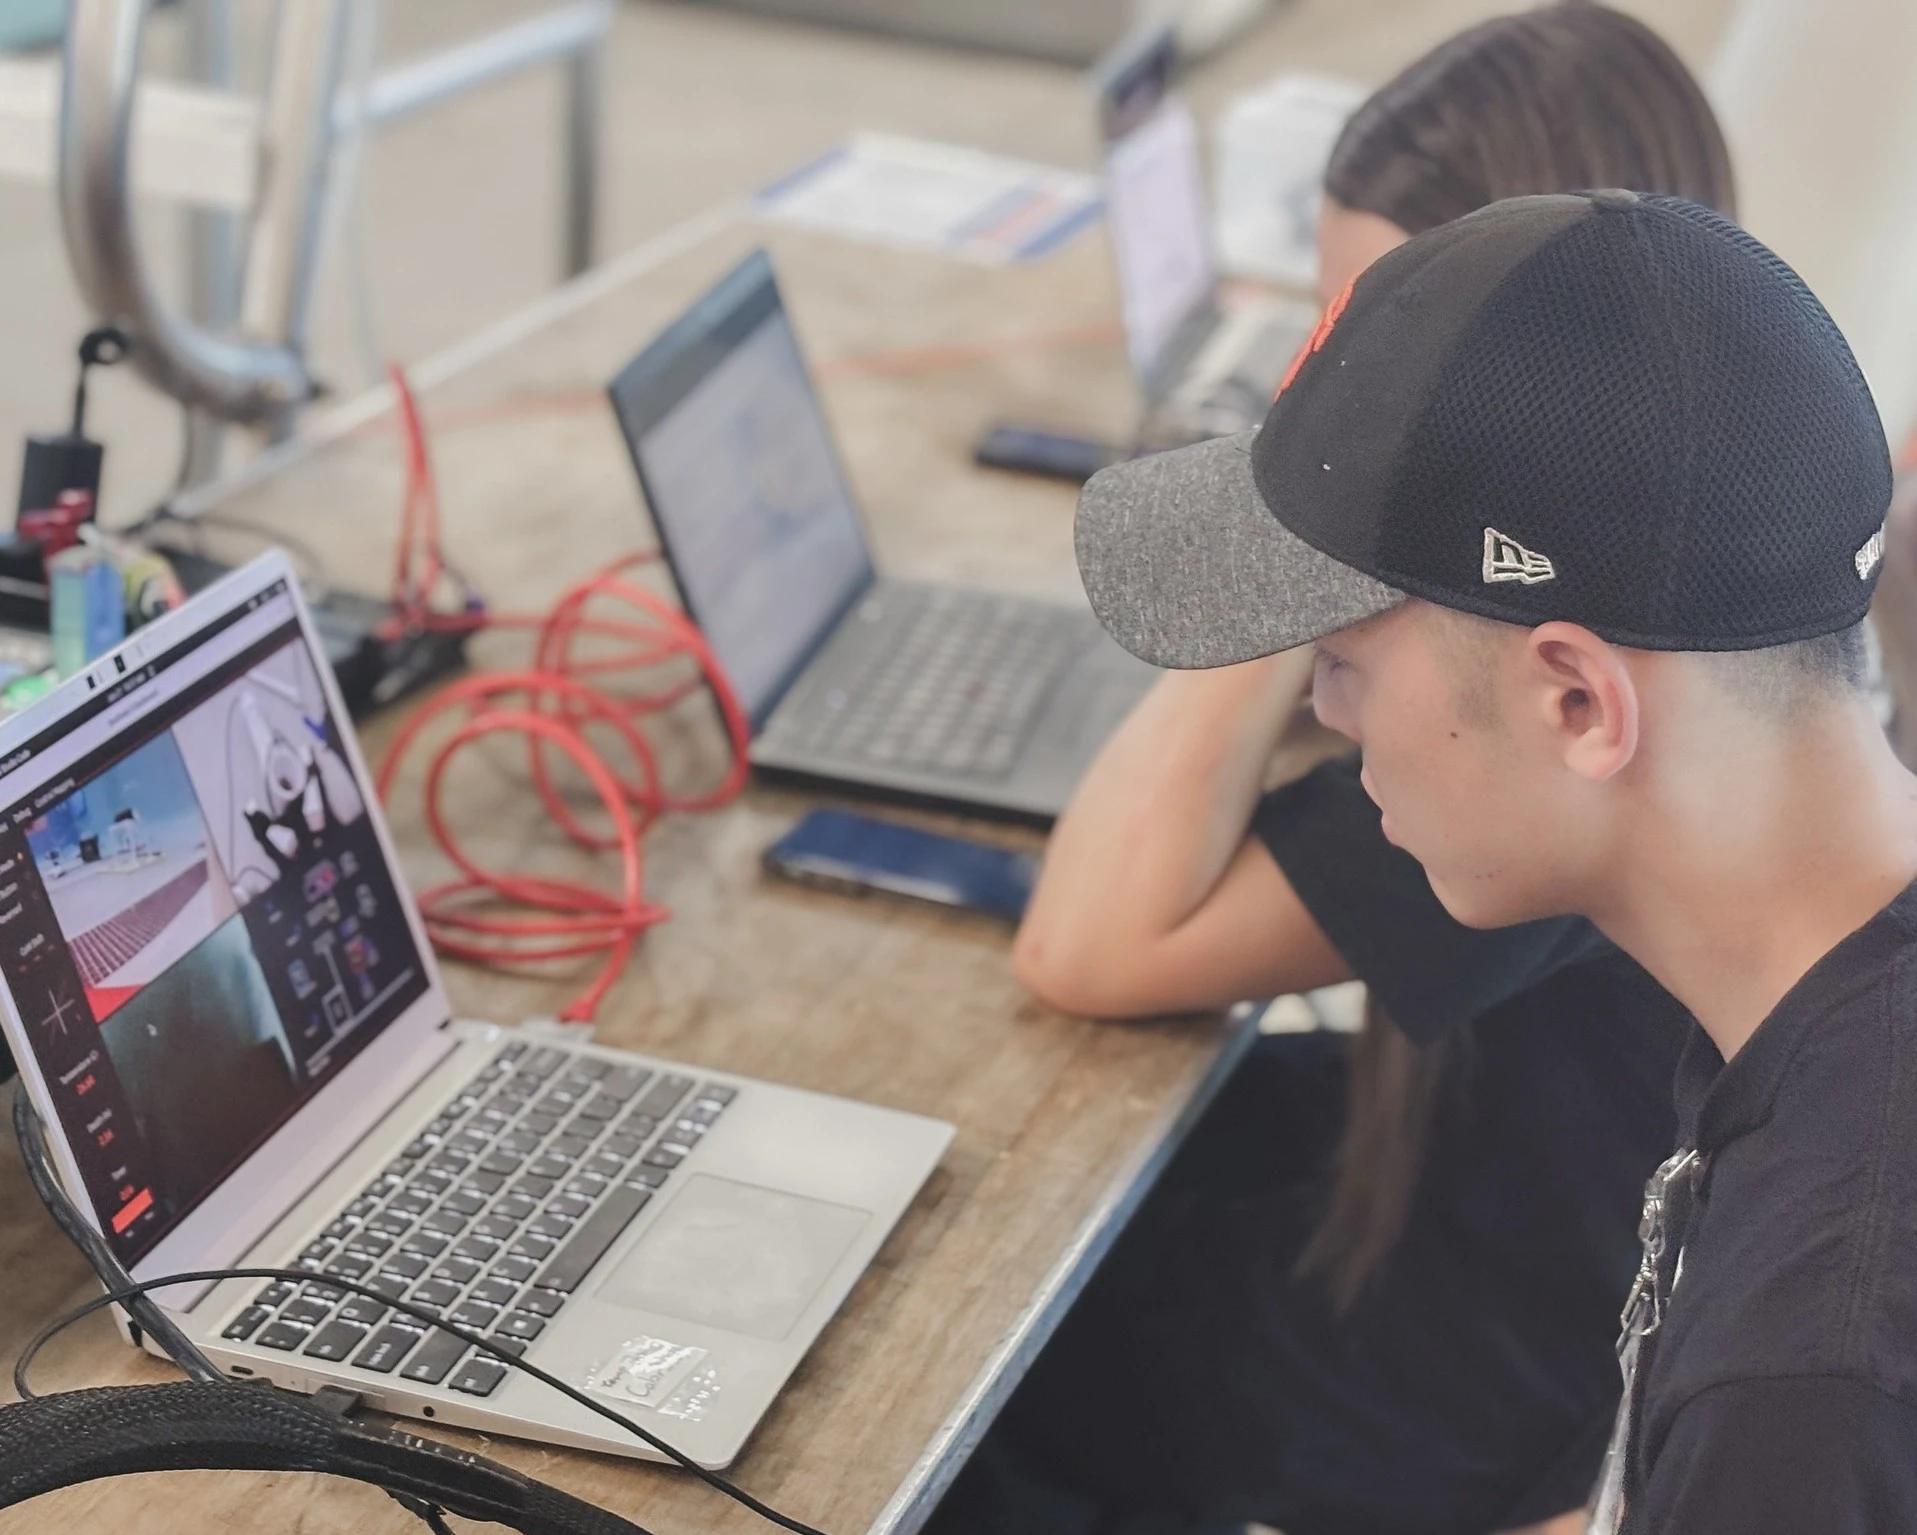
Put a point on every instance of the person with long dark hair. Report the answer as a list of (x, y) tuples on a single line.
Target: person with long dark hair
[(1378, 1289)]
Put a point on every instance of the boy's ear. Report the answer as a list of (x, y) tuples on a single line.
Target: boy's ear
[(1585, 696)]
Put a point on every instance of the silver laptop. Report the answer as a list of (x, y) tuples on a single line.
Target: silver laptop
[(222, 1001), (955, 694), (1205, 370)]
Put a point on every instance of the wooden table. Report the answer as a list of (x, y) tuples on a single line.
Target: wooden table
[(1061, 1122)]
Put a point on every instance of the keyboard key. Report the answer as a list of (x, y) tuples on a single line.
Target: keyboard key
[(349, 1266), (543, 1062), (434, 1293), (479, 1377), (446, 1222), (541, 1302), (650, 1177), (318, 1252), (537, 1248), (595, 1234), (640, 1125), (464, 1201), (434, 1358), (663, 1096), (569, 1207), (510, 1051), (282, 1335), (522, 1324), (494, 1292), (391, 1222), (600, 1108), (392, 1286), (479, 1249), (552, 1225), (519, 1141), (474, 1315), (459, 1271), (551, 1165), (606, 1166), (339, 1230), (306, 1311), (531, 1186), (623, 1081), (659, 1156), (369, 1243), (408, 1265), (424, 1243), (279, 1291), (502, 1164), (719, 1095), (517, 1270), (516, 1207), (590, 1066), (246, 1323), (572, 1146), (411, 1202), (361, 1308), (326, 1292), (622, 1145), (389, 1345), (495, 1226), (506, 1343), (482, 1182), (336, 1340)]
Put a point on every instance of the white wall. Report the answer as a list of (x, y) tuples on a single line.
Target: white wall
[(1819, 101)]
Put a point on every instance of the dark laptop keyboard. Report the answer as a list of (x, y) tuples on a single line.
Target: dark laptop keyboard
[(951, 689), (492, 1218)]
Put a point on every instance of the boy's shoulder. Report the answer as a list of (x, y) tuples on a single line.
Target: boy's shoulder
[(1800, 1257)]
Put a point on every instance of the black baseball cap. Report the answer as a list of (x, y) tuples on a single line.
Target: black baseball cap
[(1615, 409)]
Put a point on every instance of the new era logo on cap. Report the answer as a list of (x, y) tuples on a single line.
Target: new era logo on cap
[(1505, 559)]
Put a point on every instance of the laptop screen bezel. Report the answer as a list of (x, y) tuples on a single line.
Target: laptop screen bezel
[(1132, 83), (687, 352), (243, 1206)]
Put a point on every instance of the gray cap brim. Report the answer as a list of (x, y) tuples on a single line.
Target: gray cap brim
[(1187, 567)]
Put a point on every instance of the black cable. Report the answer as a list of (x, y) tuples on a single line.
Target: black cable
[(120, 1295), (93, 1247), (164, 1331)]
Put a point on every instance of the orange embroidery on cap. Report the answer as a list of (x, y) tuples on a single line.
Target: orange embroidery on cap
[(1319, 336)]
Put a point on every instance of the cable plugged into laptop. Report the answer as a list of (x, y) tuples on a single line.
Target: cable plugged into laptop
[(211, 1423)]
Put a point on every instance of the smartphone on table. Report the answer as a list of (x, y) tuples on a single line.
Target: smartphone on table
[(839, 850)]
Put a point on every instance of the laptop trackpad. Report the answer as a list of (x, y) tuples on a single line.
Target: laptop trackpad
[(735, 1256)]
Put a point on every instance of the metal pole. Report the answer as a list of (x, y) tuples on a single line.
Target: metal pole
[(579, 213), (212, 236)]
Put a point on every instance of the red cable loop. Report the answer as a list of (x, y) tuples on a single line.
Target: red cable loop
[(552, 707)]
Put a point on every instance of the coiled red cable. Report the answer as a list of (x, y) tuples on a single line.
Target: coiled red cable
[(552, 704)]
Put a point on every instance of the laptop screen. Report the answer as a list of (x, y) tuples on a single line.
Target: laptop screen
[(744, 483), (1154, 200), (198, 925)]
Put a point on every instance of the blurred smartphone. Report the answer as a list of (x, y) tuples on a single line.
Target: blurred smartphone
[(842, 851), (1048, 453)]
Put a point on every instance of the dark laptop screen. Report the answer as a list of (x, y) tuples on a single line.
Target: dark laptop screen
[(745, 486)]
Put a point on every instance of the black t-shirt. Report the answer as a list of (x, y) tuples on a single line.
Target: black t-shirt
[(1480, 1364), (1779, 1396)]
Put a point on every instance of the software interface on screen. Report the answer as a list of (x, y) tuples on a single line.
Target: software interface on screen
[(747, 490), (1155, 204), (198, 926)]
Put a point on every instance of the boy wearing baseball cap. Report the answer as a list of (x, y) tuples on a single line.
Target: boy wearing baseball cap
[(1581, 498)]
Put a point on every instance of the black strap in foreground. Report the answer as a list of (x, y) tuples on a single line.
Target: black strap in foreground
[(81, 1436)]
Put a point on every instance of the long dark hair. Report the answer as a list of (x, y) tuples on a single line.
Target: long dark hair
[(1569, 96)]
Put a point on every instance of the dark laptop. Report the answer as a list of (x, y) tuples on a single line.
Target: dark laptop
[(949, 693)]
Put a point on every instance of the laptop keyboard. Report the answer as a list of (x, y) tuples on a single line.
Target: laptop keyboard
[(952, 688), (491, 1218)]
